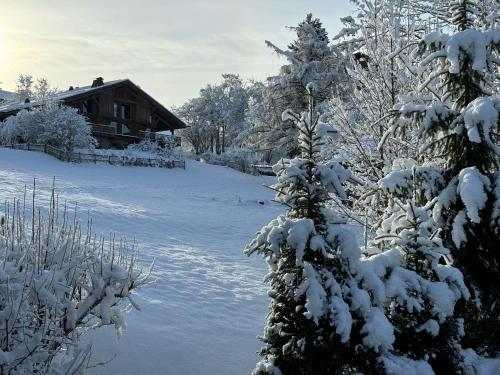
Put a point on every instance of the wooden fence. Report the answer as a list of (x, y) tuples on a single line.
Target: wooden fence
[(254, 169), (78, 157), (266, 170), (109, 130)]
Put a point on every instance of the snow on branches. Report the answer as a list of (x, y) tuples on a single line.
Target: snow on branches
[(57, 280), (312, 265), (330, 301), (459, 126), (53, 123)]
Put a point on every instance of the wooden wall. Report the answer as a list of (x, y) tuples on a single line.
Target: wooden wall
[(103, 109)]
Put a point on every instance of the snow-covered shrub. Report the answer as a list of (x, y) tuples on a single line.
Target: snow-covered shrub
[(164, 148), (65, 128), (24, 127), (57, 280), (53, 124)]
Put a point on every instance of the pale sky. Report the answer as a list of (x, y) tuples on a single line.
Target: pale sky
[(170, 48)]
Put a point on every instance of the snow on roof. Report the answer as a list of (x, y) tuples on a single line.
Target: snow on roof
[(59, 96), (165, 132), (10, 108)]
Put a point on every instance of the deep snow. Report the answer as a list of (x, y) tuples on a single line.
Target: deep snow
[(209, 302)]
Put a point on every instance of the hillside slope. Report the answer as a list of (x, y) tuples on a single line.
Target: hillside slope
[(208, 303)]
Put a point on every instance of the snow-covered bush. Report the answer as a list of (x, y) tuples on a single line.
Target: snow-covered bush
[(53, 123), (65, 128), (24, 127), (57, 280), (164, 148)]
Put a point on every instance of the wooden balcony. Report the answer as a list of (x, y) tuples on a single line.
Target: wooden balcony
[(102, 130)]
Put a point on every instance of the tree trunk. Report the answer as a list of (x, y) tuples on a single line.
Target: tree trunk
[(217, 142), (223, 145)]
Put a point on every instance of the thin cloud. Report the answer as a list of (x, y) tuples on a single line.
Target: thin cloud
[(171, 49)]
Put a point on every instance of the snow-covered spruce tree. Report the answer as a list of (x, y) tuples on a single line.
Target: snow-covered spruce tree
[(422, 290), (310, 59), (460, 127), (320, 321)]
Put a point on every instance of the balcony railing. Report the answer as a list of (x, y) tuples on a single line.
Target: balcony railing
[(101, 129), (108, 130)]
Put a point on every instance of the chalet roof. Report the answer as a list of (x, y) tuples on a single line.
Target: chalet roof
[(59, 96), (77, 92)]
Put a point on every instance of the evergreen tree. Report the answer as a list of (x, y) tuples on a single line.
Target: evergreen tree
[(329, 303), (424, 326), (314, 325), (460, 127), (310, 60)]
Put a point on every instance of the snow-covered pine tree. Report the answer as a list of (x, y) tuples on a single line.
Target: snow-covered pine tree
[(320, 321), (460, 127)]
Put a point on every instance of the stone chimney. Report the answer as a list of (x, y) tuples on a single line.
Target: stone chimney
[(99, 81)]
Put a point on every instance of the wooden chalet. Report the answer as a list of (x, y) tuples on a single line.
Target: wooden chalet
[(120, 112)]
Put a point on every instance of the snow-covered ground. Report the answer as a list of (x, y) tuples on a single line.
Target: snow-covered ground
[(208, 303)]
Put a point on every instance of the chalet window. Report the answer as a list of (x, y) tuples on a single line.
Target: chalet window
[(121, 111), (126, 111), (86, 106), (125, 129)]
